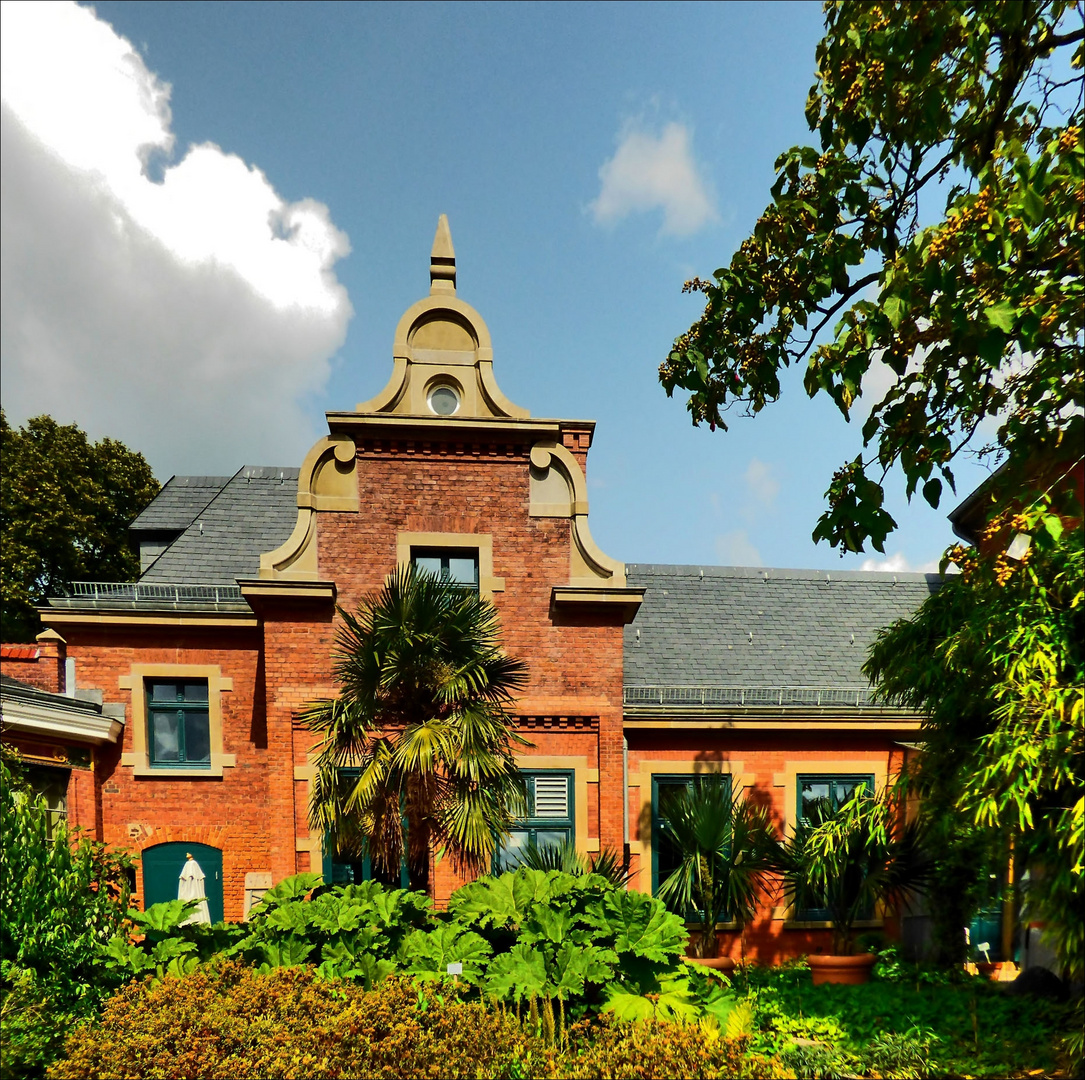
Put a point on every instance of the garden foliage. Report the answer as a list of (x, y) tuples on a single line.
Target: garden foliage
[(911, 1021), (529, 938), (61, 901), (228, 1020)]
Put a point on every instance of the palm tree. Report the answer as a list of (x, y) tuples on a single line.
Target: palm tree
[(850, 860), (416, 751), (726, 846)]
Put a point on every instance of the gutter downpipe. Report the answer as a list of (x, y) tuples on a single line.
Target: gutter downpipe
[(625, 794)]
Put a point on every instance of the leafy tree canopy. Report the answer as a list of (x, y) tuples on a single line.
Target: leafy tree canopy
[(976, 106), (995, 659), (937, 229), (65, 507)]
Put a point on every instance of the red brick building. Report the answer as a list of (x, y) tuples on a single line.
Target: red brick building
[(640, 676)]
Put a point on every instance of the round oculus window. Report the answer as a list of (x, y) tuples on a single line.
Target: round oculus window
[(443, 400)]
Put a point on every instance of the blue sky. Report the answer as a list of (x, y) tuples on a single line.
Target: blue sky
[(590, 157)]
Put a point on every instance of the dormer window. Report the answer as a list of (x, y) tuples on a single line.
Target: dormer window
[(457, 566), (444, 400)]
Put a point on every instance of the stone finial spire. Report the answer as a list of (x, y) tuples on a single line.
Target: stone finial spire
[(442, 260)]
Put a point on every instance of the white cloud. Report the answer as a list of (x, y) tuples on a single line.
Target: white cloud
[(649, 172), (188, 317), (735, 549), (898, 563), (761, 483)]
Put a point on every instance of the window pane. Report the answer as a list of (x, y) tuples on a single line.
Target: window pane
[(815, 799), (197, 736), (167, 735), (844, 790), (444, 401), (512, 850), (431, 564), (164, 691), (463, 571), (196, 691), (547, 838), (667, 792)]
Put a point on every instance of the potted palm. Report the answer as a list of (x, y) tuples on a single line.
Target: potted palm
[(845, 864), (724, 846)]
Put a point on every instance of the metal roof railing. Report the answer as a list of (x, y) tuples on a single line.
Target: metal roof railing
[(150, 594), (750, 696)]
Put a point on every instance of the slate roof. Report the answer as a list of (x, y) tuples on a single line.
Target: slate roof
[(726, 626), (254, 512), (179, 503)]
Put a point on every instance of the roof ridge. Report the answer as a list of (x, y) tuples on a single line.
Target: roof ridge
[(777, 573)]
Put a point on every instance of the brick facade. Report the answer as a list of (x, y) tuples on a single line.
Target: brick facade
[(388, 471)]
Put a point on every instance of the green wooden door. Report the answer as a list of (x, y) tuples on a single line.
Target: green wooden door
[(162, 866)]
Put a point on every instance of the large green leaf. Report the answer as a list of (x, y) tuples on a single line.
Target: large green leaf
[(555, 925), (166, 950), (505, 901), (576, 965), (670, 1000), (289, 951), (295, 915), (165, 916), (427, 955), (641, 925), (341, 961), (519, 974), (331, 913), (291, 888)]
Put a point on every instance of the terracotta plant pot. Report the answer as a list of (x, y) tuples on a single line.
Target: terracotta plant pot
[(844, 970), (716, 963)]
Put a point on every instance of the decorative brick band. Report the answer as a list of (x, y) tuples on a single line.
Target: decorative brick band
[(379, 448), (562, 723)]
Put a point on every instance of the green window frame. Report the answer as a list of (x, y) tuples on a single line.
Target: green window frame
[(457, 566), (346, 870), (178, 723), (838, 788), (664, 856), (550, 817)]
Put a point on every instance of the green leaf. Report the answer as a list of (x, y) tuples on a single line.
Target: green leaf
[(168, 915), (641, 925), (289, 951), (1003, 314), (1033, 205), (894, 309), (427, 954), (1053, 526), (519, 974), (932, 491)]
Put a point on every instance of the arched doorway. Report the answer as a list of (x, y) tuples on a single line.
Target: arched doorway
[(162, 866)]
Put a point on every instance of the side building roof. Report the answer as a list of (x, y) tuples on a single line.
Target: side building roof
[(179, 503), (750, 635), (253, 512)]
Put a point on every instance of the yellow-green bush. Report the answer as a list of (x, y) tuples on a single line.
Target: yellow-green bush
[(229, 1021), (631, 1051)]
